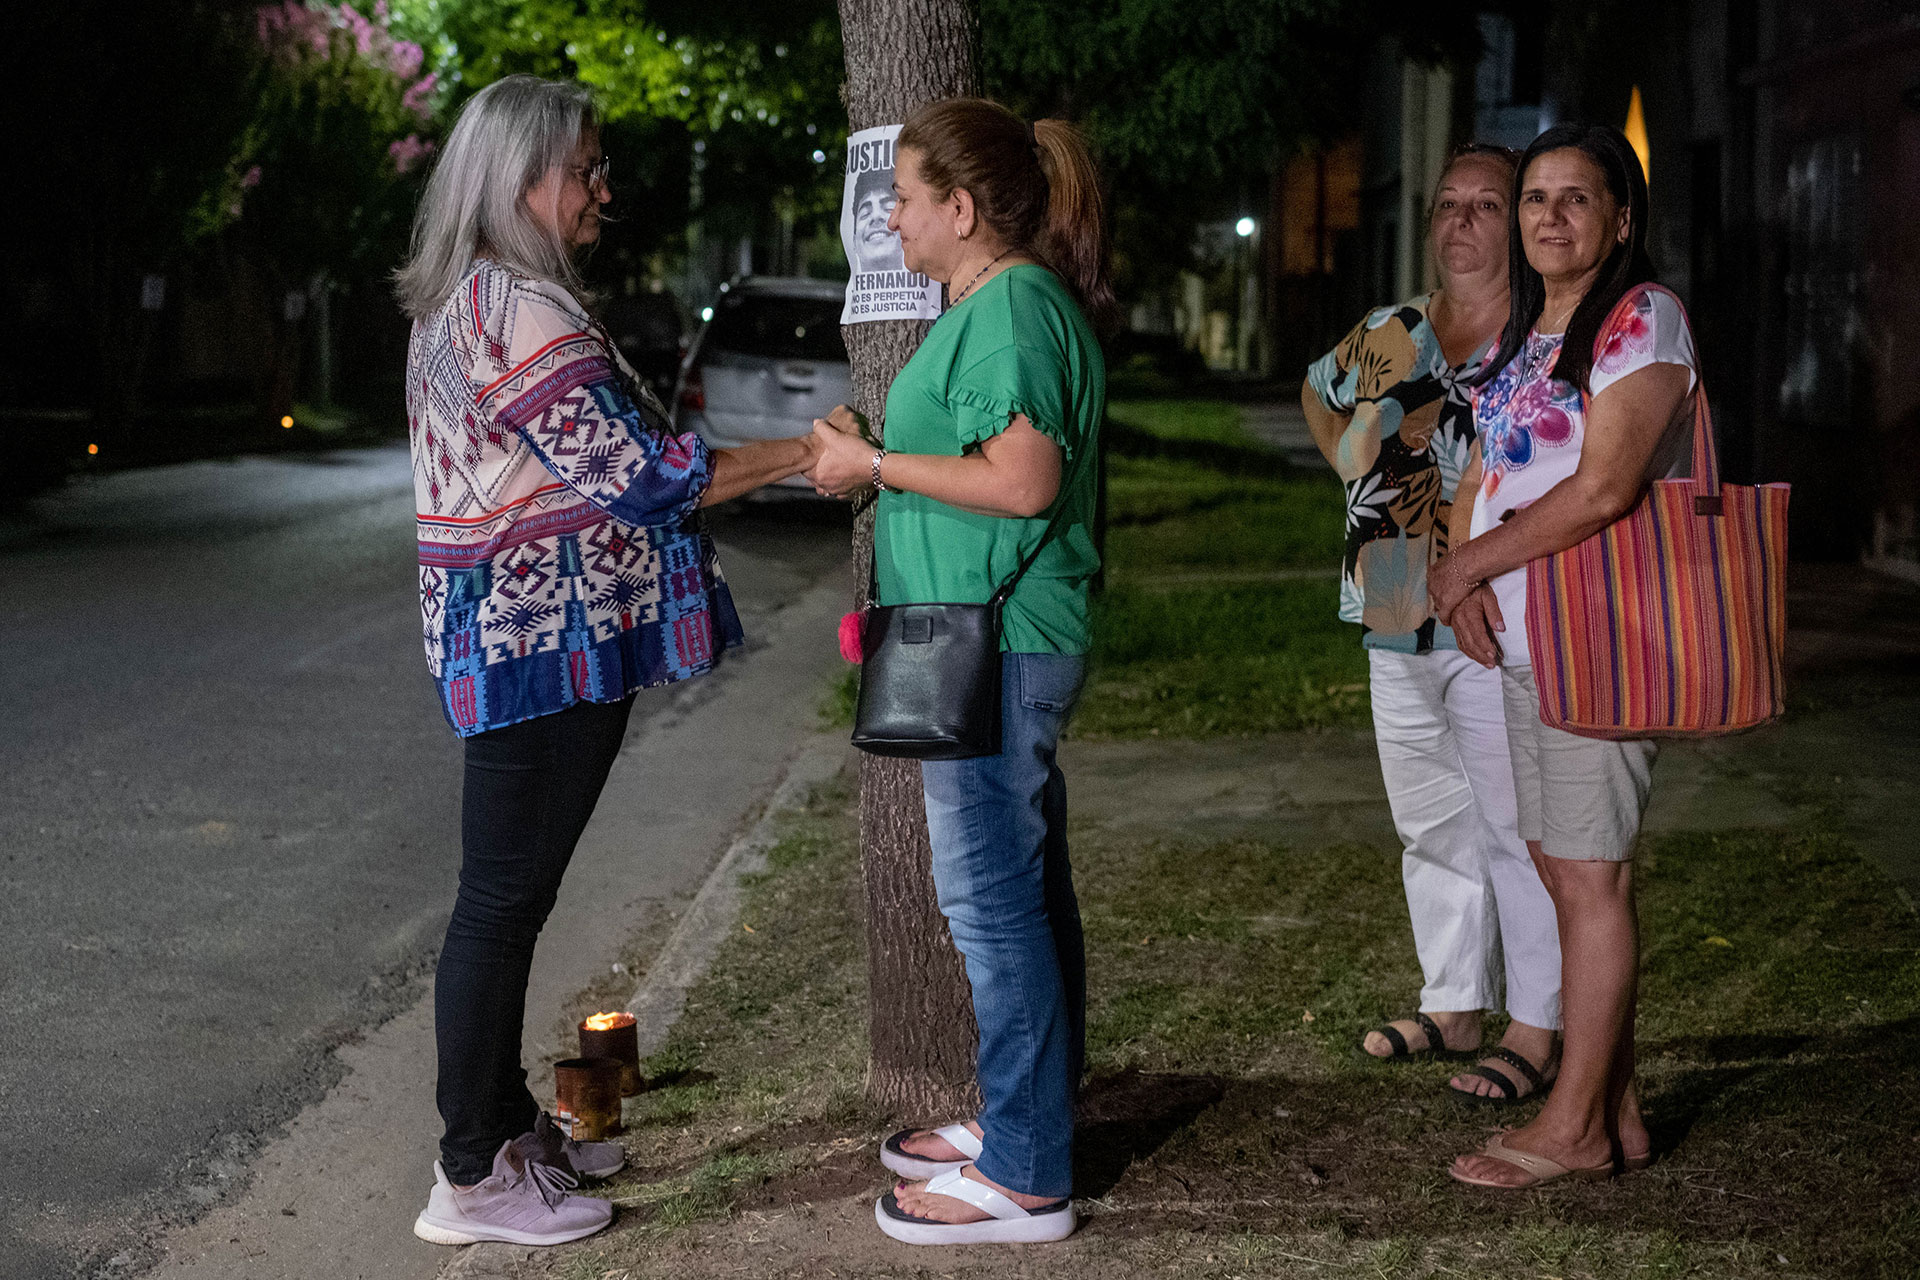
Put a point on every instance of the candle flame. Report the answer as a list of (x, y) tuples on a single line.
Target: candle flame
[(607, 1021)]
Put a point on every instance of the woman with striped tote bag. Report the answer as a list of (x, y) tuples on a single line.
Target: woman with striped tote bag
[(1652, 596)]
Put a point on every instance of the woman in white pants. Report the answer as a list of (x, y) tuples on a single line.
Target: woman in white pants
[(1388, 410)]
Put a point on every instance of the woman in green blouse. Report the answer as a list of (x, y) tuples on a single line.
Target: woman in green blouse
[(991, 430)]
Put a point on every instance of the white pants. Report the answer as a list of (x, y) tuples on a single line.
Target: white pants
[(1472, 891)]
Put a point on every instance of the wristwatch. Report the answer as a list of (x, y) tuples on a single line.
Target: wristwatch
[(874, 470)]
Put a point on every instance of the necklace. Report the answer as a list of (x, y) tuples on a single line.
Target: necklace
[(1543, 325), (968, 291)]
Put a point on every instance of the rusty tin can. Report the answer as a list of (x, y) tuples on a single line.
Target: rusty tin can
[(586, 1102)]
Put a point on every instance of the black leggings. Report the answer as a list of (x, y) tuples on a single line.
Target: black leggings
[(529, 790)]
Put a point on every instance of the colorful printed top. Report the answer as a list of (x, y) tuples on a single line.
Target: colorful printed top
[(1532, 426), (1018, 345), (1409, 440), (560, 557)]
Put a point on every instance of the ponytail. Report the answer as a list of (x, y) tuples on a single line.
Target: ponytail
[(1034, 185), (1073, 240)]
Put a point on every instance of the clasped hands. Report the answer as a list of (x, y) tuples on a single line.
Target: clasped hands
[(842, 454), (1461, 599)]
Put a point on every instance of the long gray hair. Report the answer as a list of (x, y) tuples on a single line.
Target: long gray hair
[(508, 137)]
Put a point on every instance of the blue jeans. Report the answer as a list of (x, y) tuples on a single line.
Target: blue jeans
[(999, 830)]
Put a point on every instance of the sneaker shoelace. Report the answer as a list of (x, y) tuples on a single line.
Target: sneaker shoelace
[(552, 1184)]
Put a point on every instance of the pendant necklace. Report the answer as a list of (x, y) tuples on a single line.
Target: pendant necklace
[(1537, 354)]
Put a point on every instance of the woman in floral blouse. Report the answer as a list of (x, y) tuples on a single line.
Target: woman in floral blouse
[(1589, 397), (1389, 410)]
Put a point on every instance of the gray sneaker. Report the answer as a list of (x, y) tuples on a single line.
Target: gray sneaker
[(582, 1159), (524, 1201)]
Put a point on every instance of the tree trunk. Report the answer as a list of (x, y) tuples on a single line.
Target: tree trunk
[(902, 54)]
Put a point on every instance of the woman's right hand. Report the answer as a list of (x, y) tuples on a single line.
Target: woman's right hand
[(1476, 622)]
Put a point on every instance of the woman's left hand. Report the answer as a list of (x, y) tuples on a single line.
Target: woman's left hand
[(845, 462), (851, 421), (1449, 581)]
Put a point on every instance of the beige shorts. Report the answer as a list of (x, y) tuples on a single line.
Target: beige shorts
[(1581, 798)]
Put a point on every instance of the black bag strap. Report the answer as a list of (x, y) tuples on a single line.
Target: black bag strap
[(999, 598)]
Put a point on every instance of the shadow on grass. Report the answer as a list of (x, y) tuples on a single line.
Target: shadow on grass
[(1128, 1116), (1198, 504), (1227, 459), (1753, 1134), (1706, 1075)]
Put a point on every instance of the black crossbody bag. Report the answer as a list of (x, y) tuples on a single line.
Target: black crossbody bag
[(930, 673)]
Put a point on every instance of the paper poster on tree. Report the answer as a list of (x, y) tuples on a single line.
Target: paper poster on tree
[(880, 287)]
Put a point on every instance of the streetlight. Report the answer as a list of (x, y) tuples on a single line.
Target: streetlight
[(1244, 288)]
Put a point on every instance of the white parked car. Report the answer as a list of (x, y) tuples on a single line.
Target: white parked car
[(768, 362)]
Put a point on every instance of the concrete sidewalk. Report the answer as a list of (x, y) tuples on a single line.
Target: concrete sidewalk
[(1282, 426), (1853, 701), (1853, 690)]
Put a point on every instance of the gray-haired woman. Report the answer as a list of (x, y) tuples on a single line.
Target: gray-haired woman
[(562, 568)]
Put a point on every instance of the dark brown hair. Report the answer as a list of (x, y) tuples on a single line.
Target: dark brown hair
[(1035, 186), (1625, 266)]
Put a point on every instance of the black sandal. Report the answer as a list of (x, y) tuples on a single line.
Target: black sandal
[(1436, 1043), (1503, 1082)]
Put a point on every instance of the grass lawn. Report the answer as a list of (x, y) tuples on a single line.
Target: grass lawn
[(1231, 1129), (1222, 590)]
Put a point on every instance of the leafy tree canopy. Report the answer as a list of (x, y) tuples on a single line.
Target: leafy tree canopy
[(753, 85), (1191, 104), (322, 175), (1197, 92)]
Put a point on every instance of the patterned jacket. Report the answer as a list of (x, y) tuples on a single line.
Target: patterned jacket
[(561, 559)]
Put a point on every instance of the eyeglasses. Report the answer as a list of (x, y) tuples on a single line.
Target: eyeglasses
[(595, 174)]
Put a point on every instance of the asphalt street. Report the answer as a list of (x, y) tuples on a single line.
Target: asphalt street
[(228, 820)]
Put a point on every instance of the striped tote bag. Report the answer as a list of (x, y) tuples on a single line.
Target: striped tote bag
[(1671, 622)]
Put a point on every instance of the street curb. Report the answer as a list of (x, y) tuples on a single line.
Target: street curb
[(662, 993)]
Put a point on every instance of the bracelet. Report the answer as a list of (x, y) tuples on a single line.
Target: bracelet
[(874, 470)]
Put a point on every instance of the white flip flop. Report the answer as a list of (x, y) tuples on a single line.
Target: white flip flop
[(1010, 1224), (919, 1169)]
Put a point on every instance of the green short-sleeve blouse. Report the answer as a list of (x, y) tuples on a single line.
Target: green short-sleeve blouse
[(1018, 345)]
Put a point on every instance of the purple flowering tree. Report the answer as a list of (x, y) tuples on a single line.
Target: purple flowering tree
[(323, 181)]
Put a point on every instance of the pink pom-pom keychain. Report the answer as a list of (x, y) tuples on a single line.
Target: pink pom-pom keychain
[(852, 627)]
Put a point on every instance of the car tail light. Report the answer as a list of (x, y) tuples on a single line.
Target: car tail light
[(693, 391)]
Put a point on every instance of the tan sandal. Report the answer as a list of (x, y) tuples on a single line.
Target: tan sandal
[(1540, 1169)]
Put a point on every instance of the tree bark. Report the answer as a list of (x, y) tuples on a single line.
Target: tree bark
[(902, 54)]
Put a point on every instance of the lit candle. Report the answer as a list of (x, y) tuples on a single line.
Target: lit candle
[(617, 1036)]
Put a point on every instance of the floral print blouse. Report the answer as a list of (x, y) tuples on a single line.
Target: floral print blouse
[(1532, 425), (1401, 456)]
